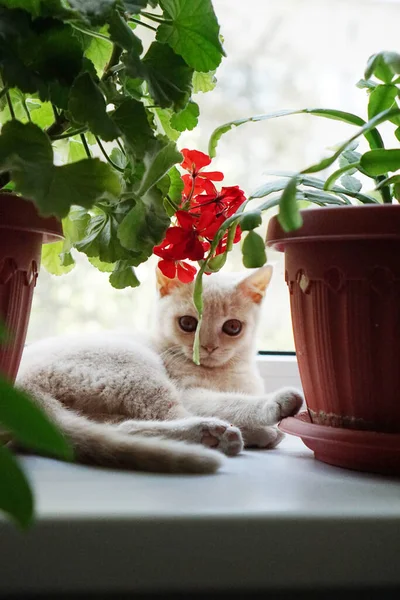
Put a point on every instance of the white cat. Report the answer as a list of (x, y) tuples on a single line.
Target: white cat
[(133, 403)]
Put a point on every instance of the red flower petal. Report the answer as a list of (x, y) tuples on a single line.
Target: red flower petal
[(195, 250), (185, 220), (175, 235), (194, 160), (212, 175), (167, 268), (186, 273)]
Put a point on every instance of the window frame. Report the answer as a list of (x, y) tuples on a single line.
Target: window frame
[(278, 370)]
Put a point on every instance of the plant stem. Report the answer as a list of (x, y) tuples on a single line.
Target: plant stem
[(68, 134), (143, 23), (55, 112), (85, 145), (108, 159), (114, 60), (121, 147), (385, 191), (156, 18), (26, 109), (58, 127), (95, 34), (10, 105)]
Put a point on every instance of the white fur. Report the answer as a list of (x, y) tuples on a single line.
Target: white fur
[(143, 404)]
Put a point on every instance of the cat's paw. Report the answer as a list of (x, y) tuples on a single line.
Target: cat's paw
[(221, 436), (262, 437), (285, 402)]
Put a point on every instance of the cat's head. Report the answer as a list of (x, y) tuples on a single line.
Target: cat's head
[(231, 310)]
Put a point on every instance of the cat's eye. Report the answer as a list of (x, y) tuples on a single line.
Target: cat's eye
[(188, 323), (232, 327)]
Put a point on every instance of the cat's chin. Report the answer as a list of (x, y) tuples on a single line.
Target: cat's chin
[(213, 361)]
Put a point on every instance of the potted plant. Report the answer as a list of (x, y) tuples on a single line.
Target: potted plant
[(343, 276), (92, 99)]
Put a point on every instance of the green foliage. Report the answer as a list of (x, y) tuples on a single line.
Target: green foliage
[(295, 188), (24, 422), (79, 68), (253, 251), (193, 32), (186, 118), (72, 74)]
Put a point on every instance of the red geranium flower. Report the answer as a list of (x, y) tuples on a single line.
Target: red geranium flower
[(198, 180), (182, 270), (226, 202)]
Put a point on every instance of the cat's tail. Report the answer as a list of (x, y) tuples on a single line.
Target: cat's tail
[(102, 444)]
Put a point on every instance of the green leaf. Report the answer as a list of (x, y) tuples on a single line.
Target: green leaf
[(216, 263), (94, 12), (250, 220), (83, 183), (348, 168), (29, 424), (351, 183), (122, 34), (76, 150), (176, 185), (102, 266), (16, 496), (168, 77), (88, 106), (203, 82), (382, 98), (145, 225), (384, 65), (118, 157), (52, 261), (366, 84), (163, 116), (372, 135), (31, 6), (131, 119), (289, 216), (397, 133), (123, 276), (26, 151), (378, 162), (186, 118), (99, 52), (41, 112), (365, 130), (253, 251), (101, 240), (193, 32), (157, 161)]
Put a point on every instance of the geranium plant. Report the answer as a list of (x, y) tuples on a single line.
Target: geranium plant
[(93, 96)]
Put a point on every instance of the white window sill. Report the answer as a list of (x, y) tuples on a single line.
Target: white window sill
[(270, 520)]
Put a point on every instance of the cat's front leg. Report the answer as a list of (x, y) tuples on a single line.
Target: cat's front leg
[(285, 402), (243, 409)]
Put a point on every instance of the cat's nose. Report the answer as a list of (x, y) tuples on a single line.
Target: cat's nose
[(210, 348)]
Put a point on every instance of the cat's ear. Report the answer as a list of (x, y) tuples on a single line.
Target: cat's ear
[(255, 285), (165, 285)]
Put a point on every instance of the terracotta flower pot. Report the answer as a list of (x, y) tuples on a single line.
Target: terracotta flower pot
[(22, 233), (343, 273)]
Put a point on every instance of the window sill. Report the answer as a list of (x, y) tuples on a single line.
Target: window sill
[(273, 520)]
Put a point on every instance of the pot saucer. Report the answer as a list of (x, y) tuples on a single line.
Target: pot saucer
[(372, 451)]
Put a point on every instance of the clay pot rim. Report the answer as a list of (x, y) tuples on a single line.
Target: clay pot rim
[(20, 214), (339, 223)]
